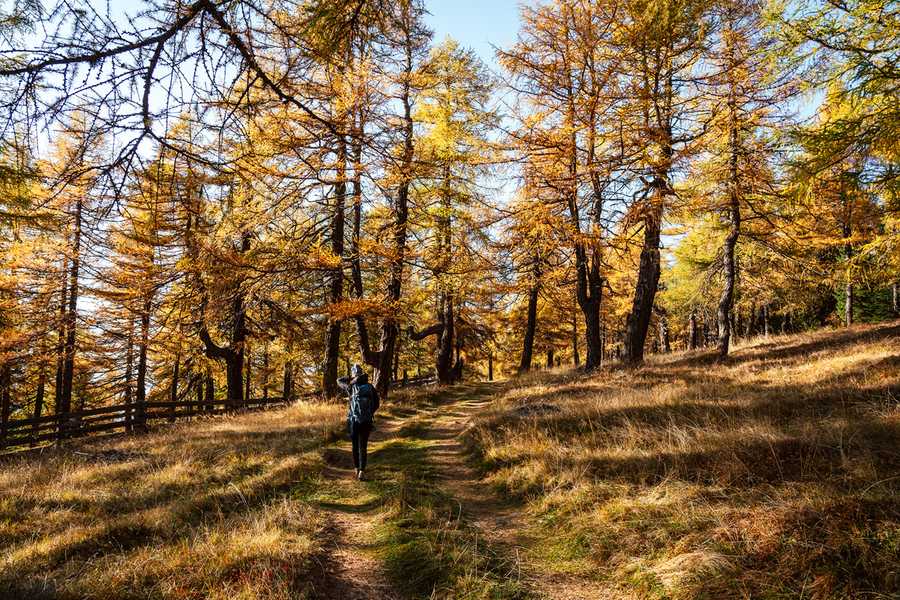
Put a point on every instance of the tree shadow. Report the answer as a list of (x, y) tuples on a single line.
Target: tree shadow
[(780, 349), (231, 472)]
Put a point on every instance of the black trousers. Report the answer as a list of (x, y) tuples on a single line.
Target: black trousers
[(359, 435)]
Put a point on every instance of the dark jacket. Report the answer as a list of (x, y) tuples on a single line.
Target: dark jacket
[(352, 387)]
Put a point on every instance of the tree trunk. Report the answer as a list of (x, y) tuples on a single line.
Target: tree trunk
[(265, 384), (588, 279), (233, 354), (575, 357), (5, 404), (656, 82), (638, 321), (550, 355), (593, 332), (390, 329), (848, 303), (895, 297), (602, 342), (664, 342), (369, 357), (234, 381), (692, 331), (589, 293), (457, 374), (71, 322), (61, 345), (140, 417), (129, 373), (336, 282), (198, 389), (446, 338), (209, 392), (248, 389), (490, 366), (444, 357), (39, 396), (396, 369), (382, 360), (530, 324), (173, 390), (726, 301), (287, 385), (385, 355), (748, 323), (847, 230)]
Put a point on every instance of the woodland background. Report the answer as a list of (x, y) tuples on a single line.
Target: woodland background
[(213, 201)]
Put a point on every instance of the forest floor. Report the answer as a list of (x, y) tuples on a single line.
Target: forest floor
[(774, 475)]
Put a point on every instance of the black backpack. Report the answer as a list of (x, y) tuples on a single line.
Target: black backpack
[(364, 402)]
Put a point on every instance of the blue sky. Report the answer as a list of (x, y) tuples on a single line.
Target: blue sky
[(477, 24)]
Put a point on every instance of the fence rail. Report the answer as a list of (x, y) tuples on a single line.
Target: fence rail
[(21, 433), (126, 417)]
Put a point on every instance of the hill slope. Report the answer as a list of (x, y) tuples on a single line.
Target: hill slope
[(775, 475)]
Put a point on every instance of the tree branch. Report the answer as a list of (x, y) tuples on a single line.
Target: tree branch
[(435, 329)]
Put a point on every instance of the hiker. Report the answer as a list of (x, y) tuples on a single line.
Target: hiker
[(363, 404)]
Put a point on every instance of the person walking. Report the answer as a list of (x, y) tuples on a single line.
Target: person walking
[(360, 415)]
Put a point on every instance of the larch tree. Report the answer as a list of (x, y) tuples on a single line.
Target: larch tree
[(744, 99), (451, 150), (567, 83), (662, 42), (408, 37)]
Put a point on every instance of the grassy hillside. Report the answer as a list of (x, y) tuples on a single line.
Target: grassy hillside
[(776, 475), (192, 512)]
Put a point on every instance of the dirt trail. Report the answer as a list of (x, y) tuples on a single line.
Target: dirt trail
[(350, 569), (447, 422)]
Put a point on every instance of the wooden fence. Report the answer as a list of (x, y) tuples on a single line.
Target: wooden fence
[(21, 433), (125, 417)]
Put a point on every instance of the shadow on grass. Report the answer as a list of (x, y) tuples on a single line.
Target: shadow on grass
[(794, 486), (780, 349), (118, 509)]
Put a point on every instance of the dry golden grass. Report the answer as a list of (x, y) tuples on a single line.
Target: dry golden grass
[(775, 475), (208, 510)]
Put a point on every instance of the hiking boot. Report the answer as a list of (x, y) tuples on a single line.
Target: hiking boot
[(361, 475)]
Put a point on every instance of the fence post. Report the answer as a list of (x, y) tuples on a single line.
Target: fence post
[(5, 409), (174, 391)]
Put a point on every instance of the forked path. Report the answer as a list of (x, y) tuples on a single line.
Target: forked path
[(349, 567)]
